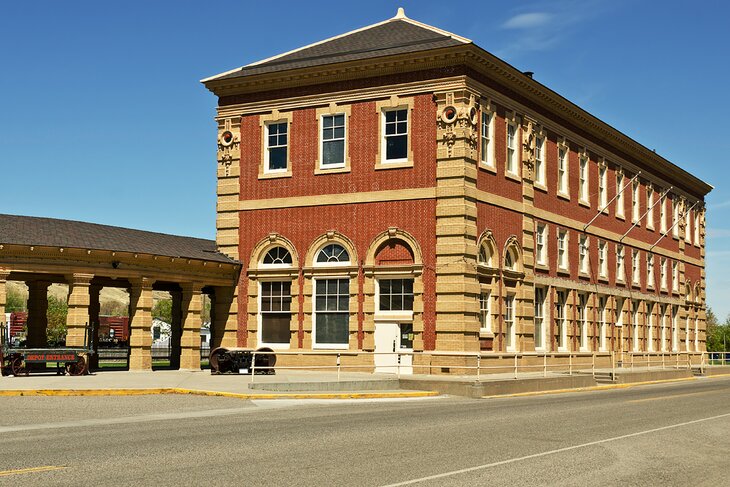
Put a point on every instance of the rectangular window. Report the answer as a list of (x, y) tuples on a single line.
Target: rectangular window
[(675, 328), (650, 330), (563, 249), (620, 268), (675, 276), (396, 135), (275, 312), (675, 217), (583, 179), (276, 147), (487, 153), (620, 193), (332, 312), (686, 333), (583, 322), (539, 160), (602, 314), (333, 141), (539, 317), (650, 270), (635, 268), (583, 254), (635, 326), (663, 328), (602, 190), (697, 334), (485, 313), (649, 204), (687, 227), (560, 322), (697, 229), (635, 208), (663, 214), (603, 259), (511, 148), (509, 322), (663, 274), (563, 170), (540, 247), (396, 294)]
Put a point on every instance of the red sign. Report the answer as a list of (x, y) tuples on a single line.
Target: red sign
[(51, 357)]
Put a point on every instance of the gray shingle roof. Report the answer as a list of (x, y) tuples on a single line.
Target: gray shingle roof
[(396, 36), (52, 232)]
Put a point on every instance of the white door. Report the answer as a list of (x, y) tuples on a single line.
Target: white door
[(386, 342)]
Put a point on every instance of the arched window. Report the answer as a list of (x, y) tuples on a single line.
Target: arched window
[(509, 261), (485, 256), (333, 254), (277, 256)]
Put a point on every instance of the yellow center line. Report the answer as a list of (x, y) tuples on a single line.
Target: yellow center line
[(48, 468), (670, 396)]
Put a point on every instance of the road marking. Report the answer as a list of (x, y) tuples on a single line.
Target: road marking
[(553, 452), (672, 396), (48, 468)]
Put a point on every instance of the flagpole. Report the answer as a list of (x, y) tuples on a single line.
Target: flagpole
[(600, 210), (645, 213)]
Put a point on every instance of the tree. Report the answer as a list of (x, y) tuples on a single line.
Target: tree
[(57, 313), (14, 301), (718, 335), (162, 310)]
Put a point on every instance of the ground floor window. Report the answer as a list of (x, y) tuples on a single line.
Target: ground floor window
[(509, 322), (583, 322), (560, 322), (485, 316), (602, 331), (275, 312), (539, 317), (396, 294), (332, 312)]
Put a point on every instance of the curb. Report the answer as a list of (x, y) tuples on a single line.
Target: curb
[(606, 387), (196, 392)]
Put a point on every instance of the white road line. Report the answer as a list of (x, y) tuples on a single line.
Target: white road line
[(552, 452)]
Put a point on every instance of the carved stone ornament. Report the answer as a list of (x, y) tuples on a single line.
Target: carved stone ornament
[(228, 146), (528, 150)]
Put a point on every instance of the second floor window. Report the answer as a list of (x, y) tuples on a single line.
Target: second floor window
[(602, 194), (487, 155), (583, 254), (635, 202), (620, 192), (563, 170), (396, 135), (675, 276), (539, 162), (602, 259), (333, 140), (540, 239), (650, 270), (511, 148), (635, 277), (620, 263), (649, 204), (583, 179), (276, 147), (563, 249)]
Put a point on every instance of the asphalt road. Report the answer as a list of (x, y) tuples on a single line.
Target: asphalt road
[(668, 434)]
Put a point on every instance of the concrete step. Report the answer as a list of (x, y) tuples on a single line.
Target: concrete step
[(326, 386)]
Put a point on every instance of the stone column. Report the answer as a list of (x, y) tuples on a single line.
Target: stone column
[(224, 321), (94, 311), (37, 314), (140, 324), (3, 293), (190, 339), (175, 329), (78, 309)]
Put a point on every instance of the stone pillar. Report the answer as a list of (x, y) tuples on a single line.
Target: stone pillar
[(228, 188), (37, 314), (78, 309), (190, 340), (175, 329), (224, 320), (94, 311), (140, 324), (3, 293), (457, 286)]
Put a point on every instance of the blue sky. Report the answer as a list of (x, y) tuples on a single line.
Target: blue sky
[(102, 117)]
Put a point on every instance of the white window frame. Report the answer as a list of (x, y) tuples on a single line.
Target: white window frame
[(602, 313), (540, 300), (650, 329), (563, 263), (687, 226), (635, 203), (485, 311), (322, 141), (540, 176), (583, 170), (511, 162), (267, 148), (510, 332), (675, 217), (260, 317), (686, 334), (329, 346), (562, 320), (675, 276), (602, 259), (650, 270), (663, 328), (663, 213), (384, 142), (635, 326), (663, 274), (584, 255), (635, 268), (563, 161), (697, 229), (584, 344), (487, 140), (697, 334), (620, 263), (649, 204), (541, 239), (620, 201), (675, 328), (602, 187)]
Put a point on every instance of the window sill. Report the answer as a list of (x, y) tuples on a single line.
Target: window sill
[(650, 228), (393, 165), (542, 267), (620, 216), (541, 187), (563, 196), (488, 168), (513, 176), (275, 175), (563, 271), (486, 333), (603, 279), (584, 275), (584, 203), (330, 170)]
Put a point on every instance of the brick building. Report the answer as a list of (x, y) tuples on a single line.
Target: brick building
[(398, 187)]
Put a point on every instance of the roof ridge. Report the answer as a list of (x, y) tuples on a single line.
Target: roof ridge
[(400, 16)]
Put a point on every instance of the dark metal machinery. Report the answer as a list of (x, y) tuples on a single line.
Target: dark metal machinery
[(242, 361), (70, 360)]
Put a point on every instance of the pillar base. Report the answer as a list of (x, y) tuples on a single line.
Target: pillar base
[(190, 360), (140, 360)]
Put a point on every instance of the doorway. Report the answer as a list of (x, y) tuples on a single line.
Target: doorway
[(390, 339)]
